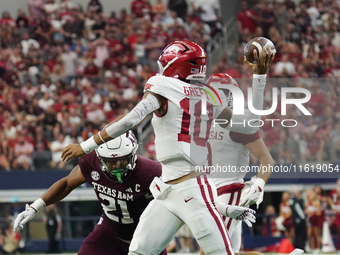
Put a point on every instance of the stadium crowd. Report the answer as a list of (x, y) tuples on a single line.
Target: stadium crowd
[(65, 70), (306, 35)]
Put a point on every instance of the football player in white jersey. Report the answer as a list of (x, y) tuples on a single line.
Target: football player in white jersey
[(230, 150), (183, 113)]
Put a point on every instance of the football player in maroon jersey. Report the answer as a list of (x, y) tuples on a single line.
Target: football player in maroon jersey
[(120, 179)]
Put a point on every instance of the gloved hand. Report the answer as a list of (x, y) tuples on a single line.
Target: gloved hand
[(253, 192), (24, 217), (241, 213), (28, 214)]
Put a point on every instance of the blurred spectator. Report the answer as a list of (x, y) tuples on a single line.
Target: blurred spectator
[(270, 211), (336, 221), (23, 153), (299, 220), (15, 208), (54, 224), (95, 5), (208, 13), (137, 8), (51, 7), (6, 20), (324, 202), (44, 30), (46, 101), (284, 66), (159, 8), (36, 8), (89, 130), (179, 6), (69, 59), (95, 114), (247, 19), (6, 152), (10, 239), (98, 27), (42, 154), (333, 195), (10, 130), (266, 17), (286, 214), (57, 147), (313, 211), (101, 52)]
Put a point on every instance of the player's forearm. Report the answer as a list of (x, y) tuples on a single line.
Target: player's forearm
[(58, 191), (116, 128), (249, 122), (266, 165)]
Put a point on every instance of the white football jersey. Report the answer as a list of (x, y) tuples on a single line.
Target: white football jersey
[(227, 152), (182, 132), (228, 155)]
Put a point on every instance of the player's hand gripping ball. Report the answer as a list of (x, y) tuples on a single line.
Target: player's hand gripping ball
[(257, 44)]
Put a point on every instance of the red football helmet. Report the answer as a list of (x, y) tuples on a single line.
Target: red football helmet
[(223, 78), (184, 60)]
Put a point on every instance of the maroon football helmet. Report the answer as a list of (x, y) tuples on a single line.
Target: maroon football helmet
[(184, 60), (223, 78)]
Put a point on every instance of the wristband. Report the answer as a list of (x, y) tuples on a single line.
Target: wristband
[(259, 81), (38, 205), (89, 145)]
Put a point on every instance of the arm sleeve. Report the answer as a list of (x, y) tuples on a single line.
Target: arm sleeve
[(134, 117), (249, 123)]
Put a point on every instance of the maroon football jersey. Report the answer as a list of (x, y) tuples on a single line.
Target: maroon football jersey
[(122, 203)]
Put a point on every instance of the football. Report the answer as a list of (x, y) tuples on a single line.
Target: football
[(257, 43)]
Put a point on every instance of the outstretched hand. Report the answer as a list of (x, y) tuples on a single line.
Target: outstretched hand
[(262, 64), (72, 151), (23, 218)]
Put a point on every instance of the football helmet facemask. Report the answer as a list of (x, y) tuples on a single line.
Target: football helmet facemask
[(118, 157), (223, 78), (183, 60)]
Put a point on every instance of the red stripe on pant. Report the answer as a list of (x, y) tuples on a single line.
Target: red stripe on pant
[(230, 203), (219, 223)]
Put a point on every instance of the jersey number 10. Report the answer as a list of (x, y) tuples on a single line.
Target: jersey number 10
[(200, 124)]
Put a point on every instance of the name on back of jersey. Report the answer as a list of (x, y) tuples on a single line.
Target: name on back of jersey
[(216, 135), (194, 91)]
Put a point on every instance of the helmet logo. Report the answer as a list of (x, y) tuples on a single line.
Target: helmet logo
[(114, 155), (95, 175), (147, 86), (172, 49)]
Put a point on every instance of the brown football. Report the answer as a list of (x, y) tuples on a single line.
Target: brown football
[(257, 43)]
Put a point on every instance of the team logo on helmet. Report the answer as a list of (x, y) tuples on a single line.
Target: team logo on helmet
[(172, 49), (95, 175)]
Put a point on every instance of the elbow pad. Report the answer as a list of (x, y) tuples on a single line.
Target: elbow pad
[(146, 106)]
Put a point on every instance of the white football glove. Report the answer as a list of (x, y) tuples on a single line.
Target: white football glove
[(253, 192), (28, 214), (241, 213)]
